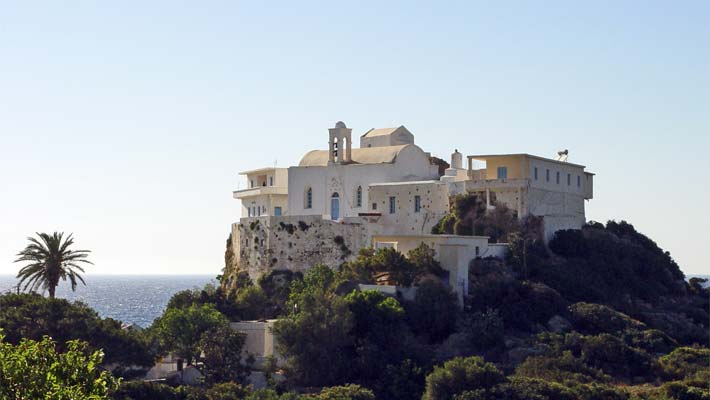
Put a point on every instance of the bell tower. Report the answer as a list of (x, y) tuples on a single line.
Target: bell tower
[(339, 144)]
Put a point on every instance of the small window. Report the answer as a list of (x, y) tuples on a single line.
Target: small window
[(557, 177), (502, 172), (393, 204), (252, 183), (374, 206), (579, 181), (569, 179), (478, 251), (271, 181), (277, 211), (535, 173), (547, 175), (358, 196), (417, 203), (249, 211), (309, 198)]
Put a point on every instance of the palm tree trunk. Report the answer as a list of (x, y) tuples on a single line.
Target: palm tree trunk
[(51, 291)]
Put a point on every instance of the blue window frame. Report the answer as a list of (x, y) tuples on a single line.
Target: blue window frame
[(417, 203), (277, 211), (535, 173), (547, 175), (393, 204), (502, 172), (557, 177), (569, 179)]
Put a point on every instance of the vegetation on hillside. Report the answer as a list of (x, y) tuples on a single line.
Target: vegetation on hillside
[(601, 313)]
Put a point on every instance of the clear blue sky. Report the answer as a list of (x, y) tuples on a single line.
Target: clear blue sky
[(127, 122)]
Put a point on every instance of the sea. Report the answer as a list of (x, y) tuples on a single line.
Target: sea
[(133, 299)]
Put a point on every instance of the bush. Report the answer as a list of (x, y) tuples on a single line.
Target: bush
[(569, 243), (484, 329), (615, 358), (141, 390), (565, 369), (31, 316), (685, 361), (346, 392), (597, 318), (36, 370), (403, 381), (432, 314), (651, 340), (527, 388), (460, 375)]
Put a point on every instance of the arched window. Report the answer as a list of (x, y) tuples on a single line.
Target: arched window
[(308, 201), (358, 196)]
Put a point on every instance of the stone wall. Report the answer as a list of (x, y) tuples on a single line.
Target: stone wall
[(294, 243)]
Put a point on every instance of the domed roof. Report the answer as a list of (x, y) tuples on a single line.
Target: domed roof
[(340, 124)]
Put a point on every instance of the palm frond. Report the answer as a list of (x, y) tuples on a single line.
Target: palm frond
[(50, 260)]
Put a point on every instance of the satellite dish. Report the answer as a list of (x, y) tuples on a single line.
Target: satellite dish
[(562, 155)]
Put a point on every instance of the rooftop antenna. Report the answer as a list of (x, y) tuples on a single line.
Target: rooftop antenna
[(562, 155)]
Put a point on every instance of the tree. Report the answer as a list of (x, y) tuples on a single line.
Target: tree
[(179, 330), (36, 370), (31, 316), (432, 314), (51, 260), (346, 392), (423, 258), (459, 375), (405, 271), (314, 337), (378, 332), (222, 356)]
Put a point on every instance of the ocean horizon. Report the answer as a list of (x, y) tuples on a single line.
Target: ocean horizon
[(133, 299), (136, 299)]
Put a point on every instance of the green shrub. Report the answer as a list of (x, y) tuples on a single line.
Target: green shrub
[(460, 375), (565, 368), (614, 357), (685, 361), (31, 316), (484, 329), (597, 318), (346, 392), (682, 391), (569, 243), (37, 370), (651, 340), (432, 314)]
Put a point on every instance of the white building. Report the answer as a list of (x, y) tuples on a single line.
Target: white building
[(333, 183), (339, 200)]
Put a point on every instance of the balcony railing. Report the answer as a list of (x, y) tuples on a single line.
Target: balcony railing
[(259, 190)]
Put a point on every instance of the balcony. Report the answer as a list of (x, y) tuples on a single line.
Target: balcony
[(260, 190)]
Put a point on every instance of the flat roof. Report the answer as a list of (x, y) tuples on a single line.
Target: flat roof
[(259, 170), (485, 156), (406, 183)]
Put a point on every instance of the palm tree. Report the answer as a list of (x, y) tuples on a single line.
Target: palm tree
[(50, 260)]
